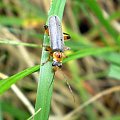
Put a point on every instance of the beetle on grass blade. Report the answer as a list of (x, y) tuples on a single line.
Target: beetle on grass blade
[(57, 47)]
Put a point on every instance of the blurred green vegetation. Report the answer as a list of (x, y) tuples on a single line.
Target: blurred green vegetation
[(92, 65)]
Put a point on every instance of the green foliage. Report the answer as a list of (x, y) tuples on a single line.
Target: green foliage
[(9, 42), (6, 83), (89, 51), (114, 71), (19, 114), (80, 45), (44, 91), (93, 5)]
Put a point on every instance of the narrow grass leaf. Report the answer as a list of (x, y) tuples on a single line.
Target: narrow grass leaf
[(31, 117), (89, 51), (9, 42), (93, 5), (17, 113), (114, 71), (5, 84), (44, 91), (4, 20), (112, 57)]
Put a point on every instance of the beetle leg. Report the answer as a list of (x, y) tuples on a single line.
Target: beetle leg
[(66, 36), (66, 48), (49, 49), (46, 29), (64, 56)]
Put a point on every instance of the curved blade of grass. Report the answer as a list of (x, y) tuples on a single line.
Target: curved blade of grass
[(96, 9), (44, 91), (30, 33), (89, 51), (6, 83), (9, 42), (31, 117)]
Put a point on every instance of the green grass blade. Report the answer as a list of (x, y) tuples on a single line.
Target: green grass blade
[(1, 116), (93, 5), (44, 91), (6, 83), (31, 117), (112, 57), (15, 112), (9, 42), (114, 71), (89, 51), (11, 21)]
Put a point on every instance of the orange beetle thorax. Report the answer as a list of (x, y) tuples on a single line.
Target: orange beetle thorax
[(58, 56), (57, 60)]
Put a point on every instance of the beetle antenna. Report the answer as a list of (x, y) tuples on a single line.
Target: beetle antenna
[(70, 89)]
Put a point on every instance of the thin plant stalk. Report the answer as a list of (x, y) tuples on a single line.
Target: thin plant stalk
[(45, 88)]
